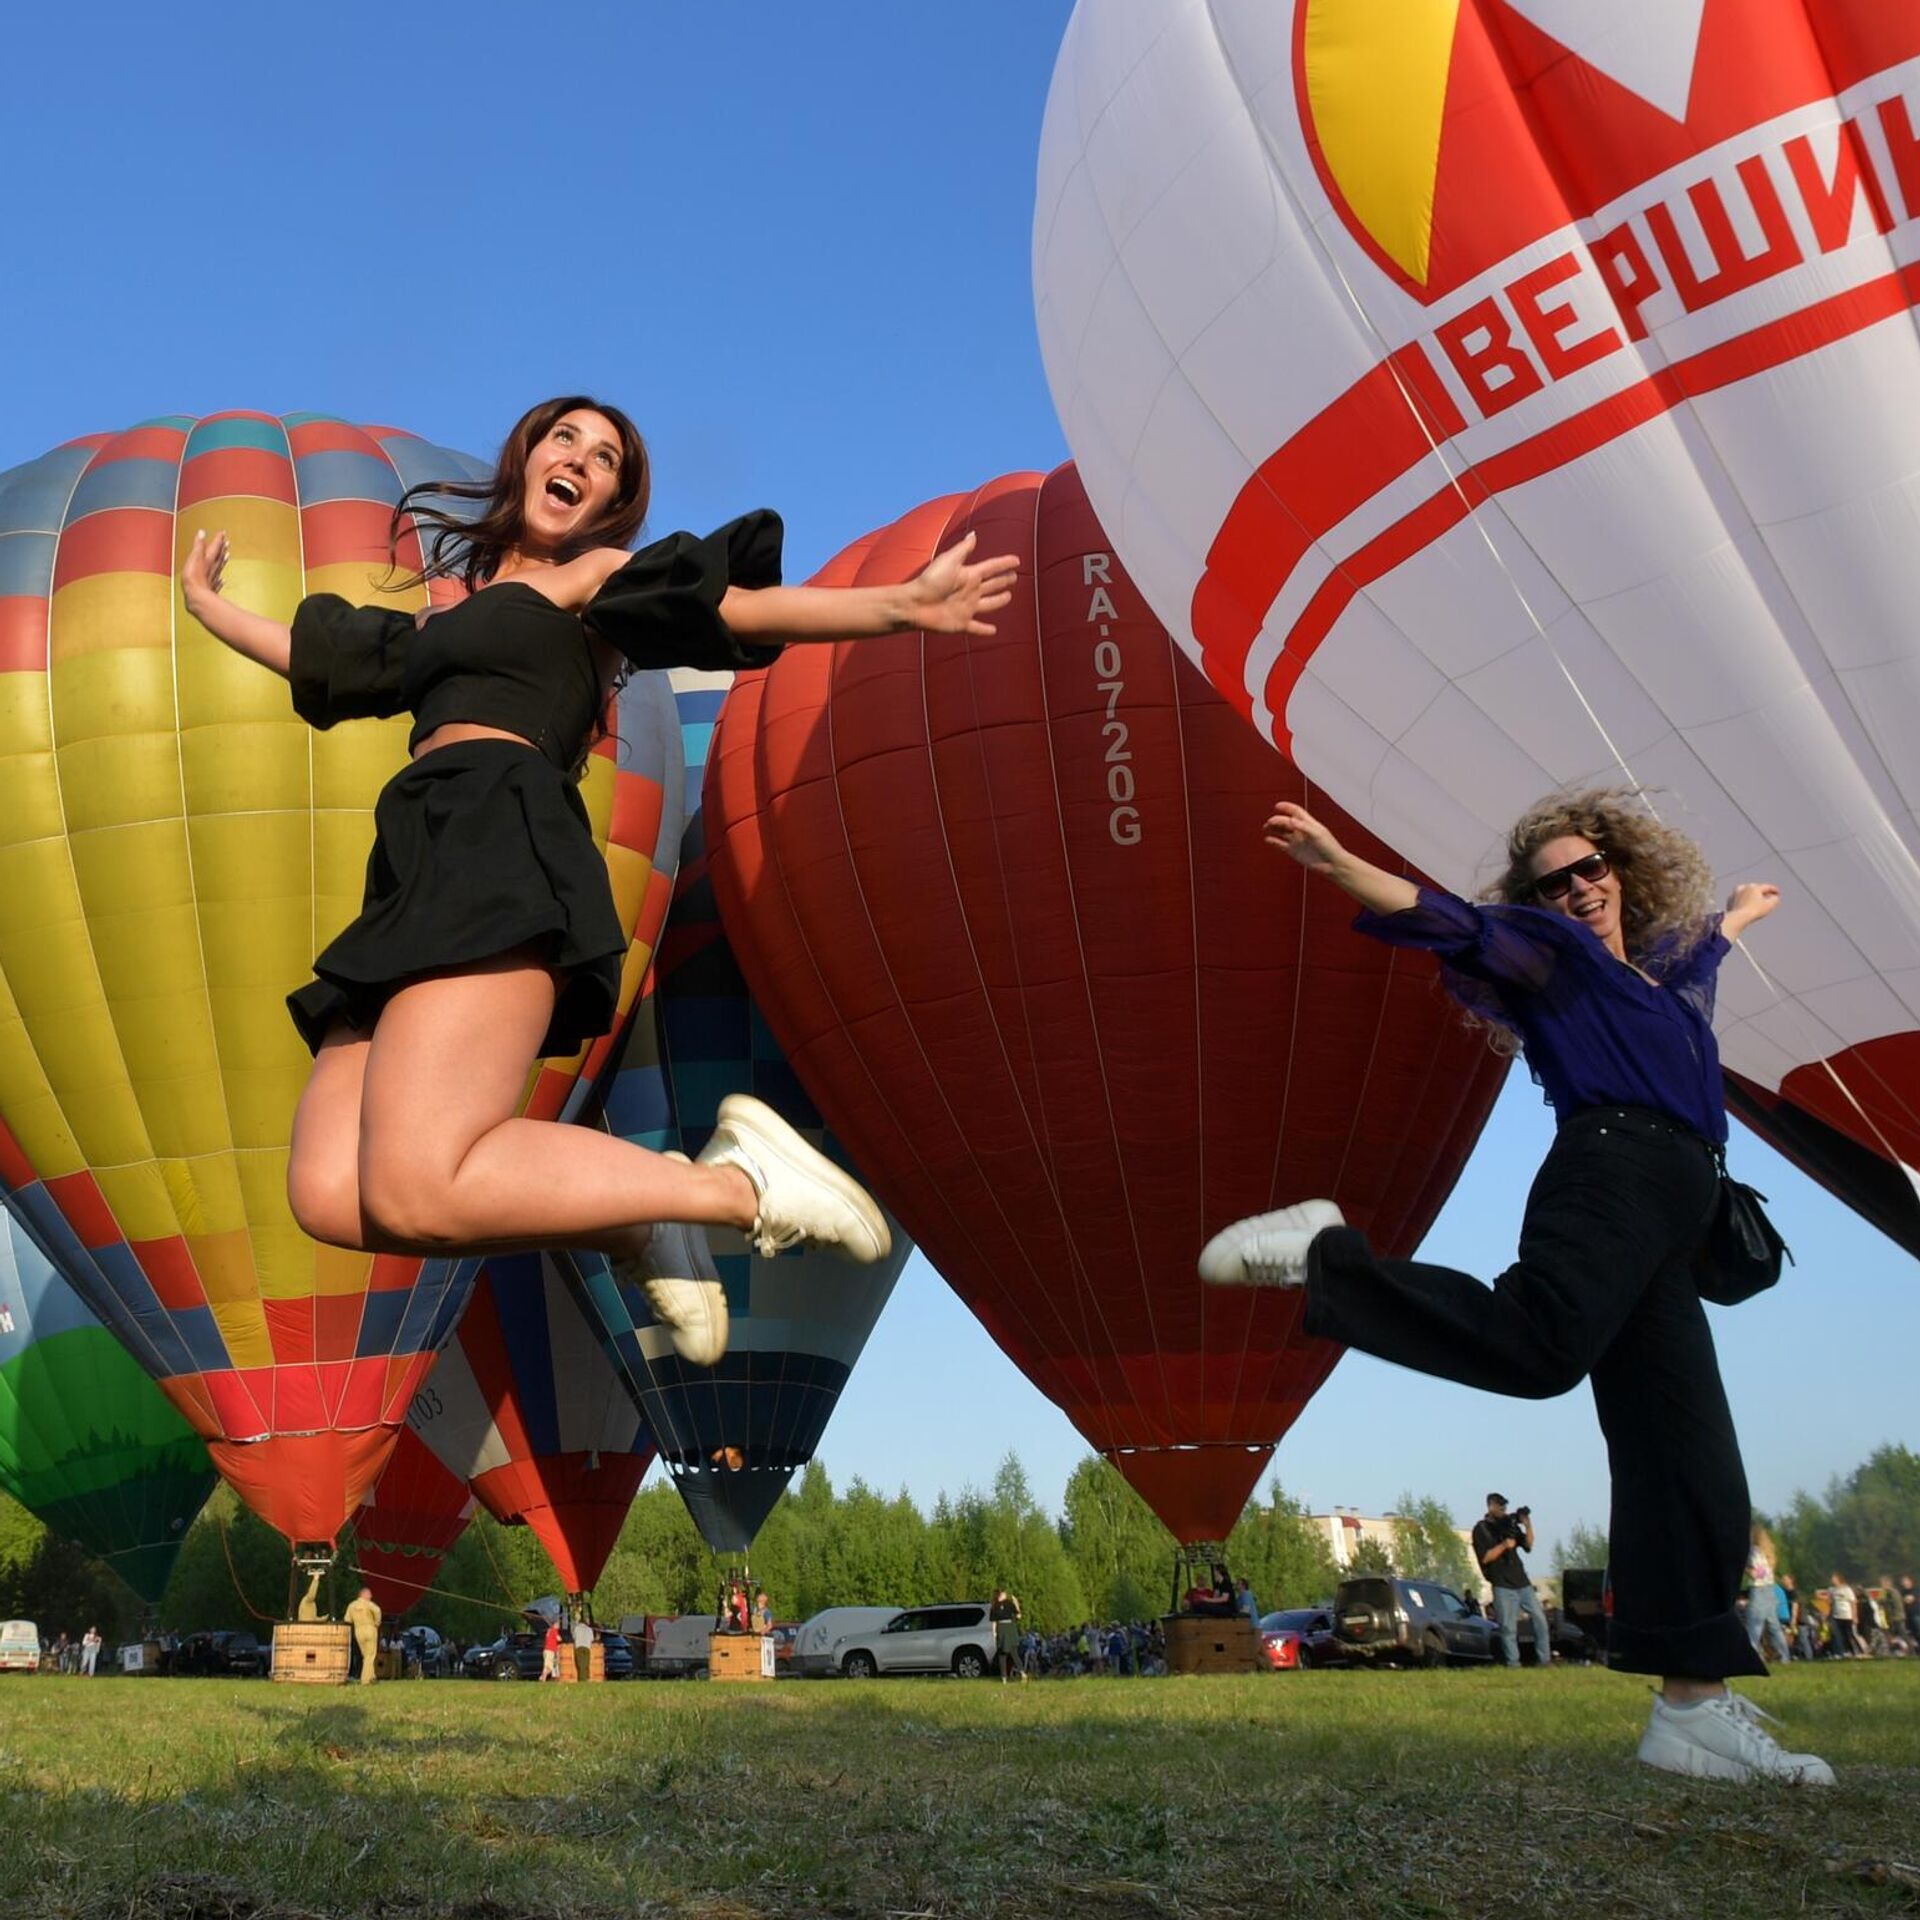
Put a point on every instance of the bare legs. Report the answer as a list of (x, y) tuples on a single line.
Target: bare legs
[(406, 1140)]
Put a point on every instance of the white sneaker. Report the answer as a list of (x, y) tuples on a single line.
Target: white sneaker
[(1268, 1249), (682, 1286), (803, 1195), (1725, 1739)]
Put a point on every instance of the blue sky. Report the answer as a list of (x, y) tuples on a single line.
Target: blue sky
[(793, 241)]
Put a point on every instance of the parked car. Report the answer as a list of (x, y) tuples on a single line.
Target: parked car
[(817, 1644), (220, 1656), (1378, 1621), (514, 1656), (424, 1655), (955, 1638), (1293, 1638), (19, 1647), (619, 1656)]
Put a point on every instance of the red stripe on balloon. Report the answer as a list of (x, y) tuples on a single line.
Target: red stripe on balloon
[(23, 633), (142, 443), (119, 540), (236, 472), (79, 1198), (171, 1273), (1356, 447), (345, 532), (330, 436)]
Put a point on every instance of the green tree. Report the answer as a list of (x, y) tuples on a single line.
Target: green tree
[(1286, 1560), (1584, 1545), (1427, 1544), (1120, 1552), (57, 1585), (1370, 1557)]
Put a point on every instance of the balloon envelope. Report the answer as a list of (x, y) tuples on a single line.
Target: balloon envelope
[(732, 1435), (1492, 394), (408, 1523), (175, 846), (88, 1444), (1006, 905), (525, 1408)]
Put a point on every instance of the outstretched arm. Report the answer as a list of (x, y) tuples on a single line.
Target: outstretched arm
[(951, 595), (201, 577), (1296, 832), (1746, 904)]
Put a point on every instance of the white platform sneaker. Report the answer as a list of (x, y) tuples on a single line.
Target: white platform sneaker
[(803, 1195), (682, 1287), (1725, 1738), (1267, 1249)]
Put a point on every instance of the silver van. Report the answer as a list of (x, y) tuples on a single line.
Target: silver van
[(954, 1638), (816, 1647)]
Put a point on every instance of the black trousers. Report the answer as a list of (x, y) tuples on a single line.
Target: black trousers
[(1603, 1288)]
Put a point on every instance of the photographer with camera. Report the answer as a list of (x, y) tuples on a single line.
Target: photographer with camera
[(1498, 1539)]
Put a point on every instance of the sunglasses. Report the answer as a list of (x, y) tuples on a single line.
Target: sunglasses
[(1590, 867)]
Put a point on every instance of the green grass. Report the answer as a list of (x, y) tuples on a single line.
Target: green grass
[(1481, 1794)]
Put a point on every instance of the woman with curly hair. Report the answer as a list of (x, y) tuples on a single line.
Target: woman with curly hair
[(1596, 955), (488, 937)]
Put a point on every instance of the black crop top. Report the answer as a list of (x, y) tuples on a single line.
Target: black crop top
[(509, 657)]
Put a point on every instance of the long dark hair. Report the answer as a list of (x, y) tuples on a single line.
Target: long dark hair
[(471, 550)]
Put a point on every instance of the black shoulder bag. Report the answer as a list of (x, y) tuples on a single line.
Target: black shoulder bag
[(1743, 1249)]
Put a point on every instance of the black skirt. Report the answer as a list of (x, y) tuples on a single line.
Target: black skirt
[(479, 848)]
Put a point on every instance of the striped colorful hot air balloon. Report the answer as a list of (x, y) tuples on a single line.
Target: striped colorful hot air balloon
[(88, 1444), (408, 1523), (525, 1407), (175, 846), (1006, 904), (731, 1435)]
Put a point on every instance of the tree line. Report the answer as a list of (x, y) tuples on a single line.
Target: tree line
[(1102, 1557)]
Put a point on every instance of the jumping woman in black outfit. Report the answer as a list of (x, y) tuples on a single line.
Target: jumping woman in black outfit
[(1599, 959), (488, 937)]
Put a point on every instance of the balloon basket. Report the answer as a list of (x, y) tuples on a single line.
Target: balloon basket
[(570, 1663), (1197, 1643), (312, 1652), (740, 1656)]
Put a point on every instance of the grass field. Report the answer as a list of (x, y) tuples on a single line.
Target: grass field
[(1335, 1793)]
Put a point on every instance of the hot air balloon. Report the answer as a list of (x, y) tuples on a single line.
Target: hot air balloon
[(732, 1435), (408, 1523), (525, 1408), (88, 1444), (1006, 906), (174, 847), (1491, 394)]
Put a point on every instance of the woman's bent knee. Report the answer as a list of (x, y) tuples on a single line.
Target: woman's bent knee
[(409, 1209), (325, 1209)]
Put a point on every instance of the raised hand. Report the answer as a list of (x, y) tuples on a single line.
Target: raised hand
[(204, 571), (954, 591), (1295, 831), (1752, 900)]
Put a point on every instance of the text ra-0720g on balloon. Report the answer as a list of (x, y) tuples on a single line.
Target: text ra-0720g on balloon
[(1123, 821)]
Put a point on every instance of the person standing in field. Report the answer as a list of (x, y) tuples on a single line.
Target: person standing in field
[(1763, 1599), (582, 1647), (363, 1616), (1005, 1616), (550, 1652), (1596, 954), (89, 1651)]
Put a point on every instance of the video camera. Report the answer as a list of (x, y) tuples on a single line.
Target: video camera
[(1513, 1525)]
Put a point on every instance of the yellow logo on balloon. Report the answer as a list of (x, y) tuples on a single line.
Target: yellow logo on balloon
[(1376, 85)]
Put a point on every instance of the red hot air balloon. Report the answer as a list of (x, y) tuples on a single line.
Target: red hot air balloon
[(526, 1407), (408, 1523), (1004, 903)]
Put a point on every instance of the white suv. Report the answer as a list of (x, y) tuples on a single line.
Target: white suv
[(957, 1639)]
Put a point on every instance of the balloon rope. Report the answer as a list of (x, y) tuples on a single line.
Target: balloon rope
[(486, 1547), (233, 1573), (1438, 448), (427, 1586)]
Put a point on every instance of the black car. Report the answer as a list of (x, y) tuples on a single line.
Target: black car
[(514, 1656), (220, 1656), (619, 1656), (1377, 1621)]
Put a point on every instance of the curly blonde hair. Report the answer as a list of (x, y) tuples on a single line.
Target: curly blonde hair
[(1666, 886)]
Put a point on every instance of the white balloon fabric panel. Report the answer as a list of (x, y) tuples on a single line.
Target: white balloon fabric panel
[(1493, 394)]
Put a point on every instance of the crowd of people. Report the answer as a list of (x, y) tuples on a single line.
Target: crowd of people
[(73, 1653), (1839, 1622)]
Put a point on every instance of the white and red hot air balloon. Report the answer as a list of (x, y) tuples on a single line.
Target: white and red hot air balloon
[(1492, 394)]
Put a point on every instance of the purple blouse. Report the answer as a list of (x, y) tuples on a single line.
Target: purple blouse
[(1595, 1033)]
